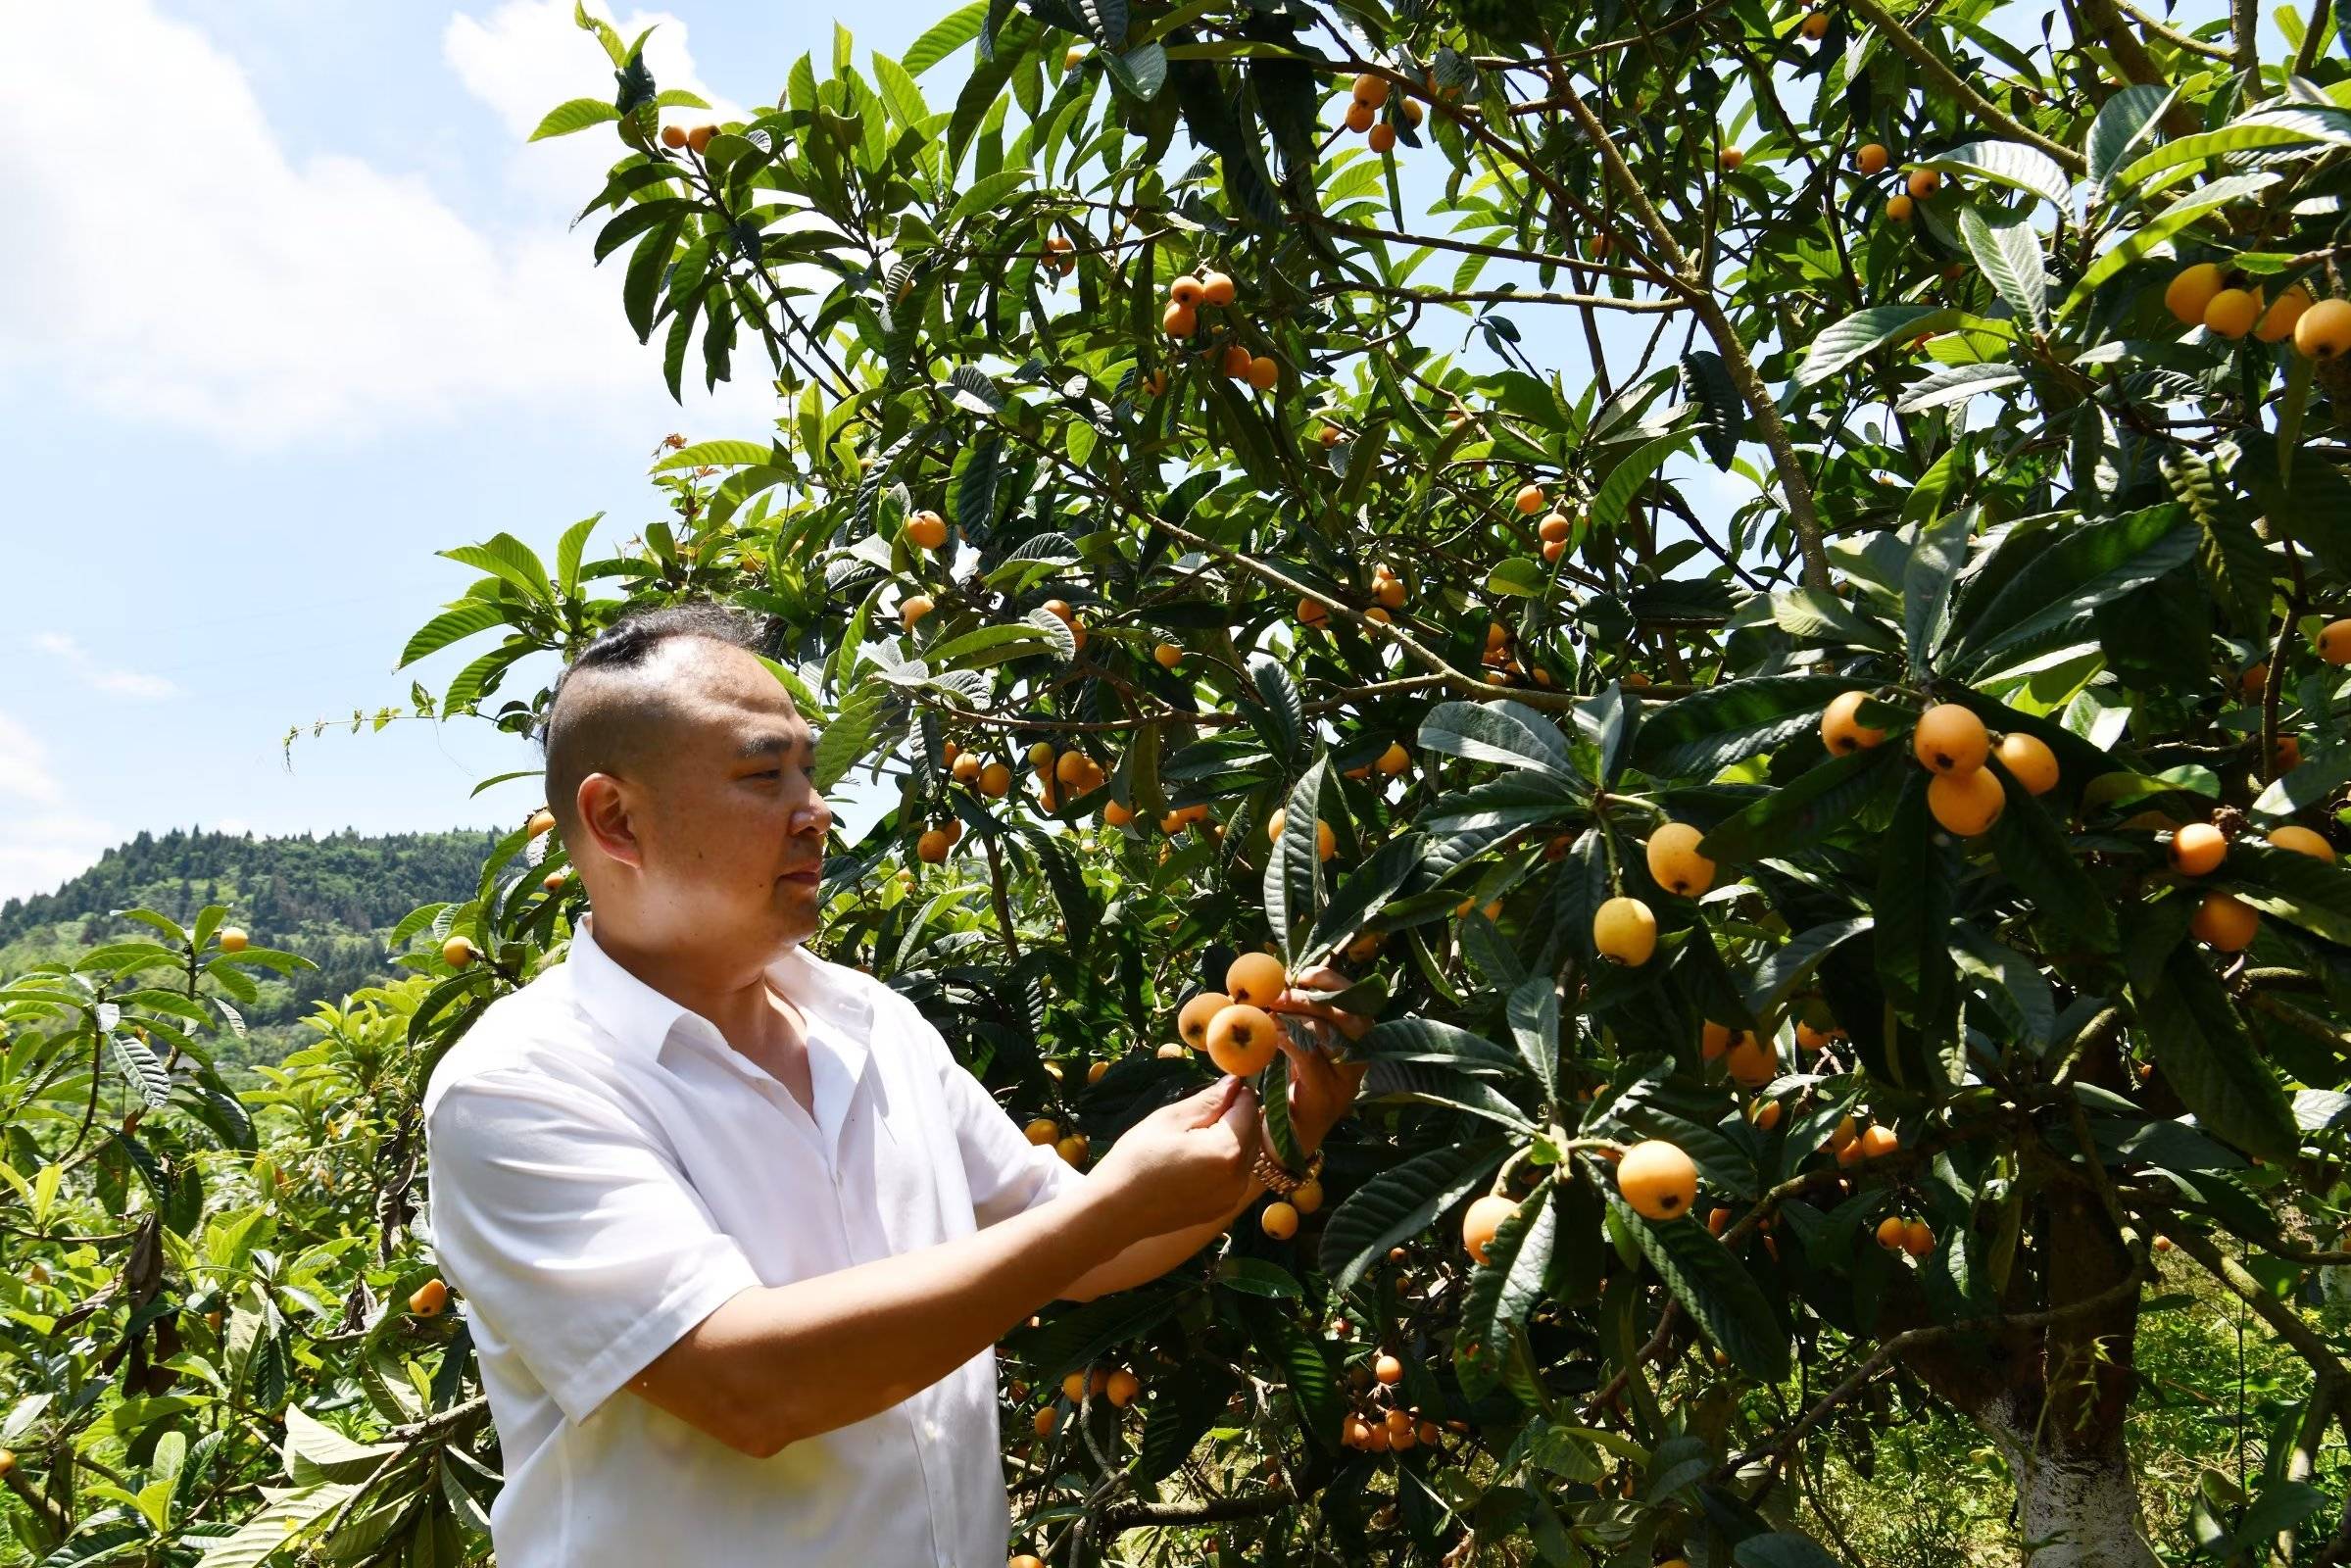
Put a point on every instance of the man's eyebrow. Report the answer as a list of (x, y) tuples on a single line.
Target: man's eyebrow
[(771, 744)]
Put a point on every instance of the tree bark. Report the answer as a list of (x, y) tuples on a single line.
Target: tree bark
[(2076, 1508), (2054, 1400)]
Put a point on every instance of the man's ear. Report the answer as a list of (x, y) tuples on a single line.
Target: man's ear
[(608, 818)]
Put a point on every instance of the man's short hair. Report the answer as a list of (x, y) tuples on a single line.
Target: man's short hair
[(597, 725)]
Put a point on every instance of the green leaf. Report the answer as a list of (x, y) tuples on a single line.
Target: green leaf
[(1275, 1332), (1865, 332), (1802, 812), (850, 735), (1174, 1423), (1821, 617), (2007, 251), (2033, 854), (1912, 904), (2298, 125), (725, 454), (1414, 1038), (1781, 1550), (947, 34), (2298, 889), (2053, 593), (1706, 382), (1707, 731), (1293, 863), (1505, 1288), (987, 195), (1433, 1085), (1534, 1010), (2235, 564), (640, 288), (899, 94), (2153, 234), (1357, 901), (1277, 713), (2205, 1053), (2011, 164), (140, 1069), (1788, 966), (1505, 732), (577, 115), (1400, 1202), (506, 558), (2124, 122), (1713, 1286), (1625, 480), (1939, 550)]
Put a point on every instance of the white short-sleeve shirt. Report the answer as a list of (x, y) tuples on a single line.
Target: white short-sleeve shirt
[(606, 1172)]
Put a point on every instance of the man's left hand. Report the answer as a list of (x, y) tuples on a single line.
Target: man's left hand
[(1321, 1089)]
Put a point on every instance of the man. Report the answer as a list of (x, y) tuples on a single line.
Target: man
[(734, 1231)]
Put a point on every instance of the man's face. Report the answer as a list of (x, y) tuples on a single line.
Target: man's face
[(731, 830)]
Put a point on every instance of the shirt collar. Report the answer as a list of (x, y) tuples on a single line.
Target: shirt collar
[(640, 1018)]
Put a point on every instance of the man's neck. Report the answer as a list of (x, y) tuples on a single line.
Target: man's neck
[(735, 995)]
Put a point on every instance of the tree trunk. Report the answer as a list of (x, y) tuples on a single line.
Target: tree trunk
[(2054, 1400), (2075, 1508)]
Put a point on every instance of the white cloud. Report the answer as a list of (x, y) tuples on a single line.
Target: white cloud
[(527, 56), (113, 682), (43, 847), (264, 302), (24, 766)]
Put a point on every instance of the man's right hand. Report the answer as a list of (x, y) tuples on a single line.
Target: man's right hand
[(1184, 1165)]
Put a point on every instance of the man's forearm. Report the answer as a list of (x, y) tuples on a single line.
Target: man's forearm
[(1142, 1261), (779, 1363)]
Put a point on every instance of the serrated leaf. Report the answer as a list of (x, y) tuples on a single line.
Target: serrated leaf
[(1866, 331), (2007, 251), (1400, 1202), (2235, 566), (1706, 382), (1505, 732), (1707, 731), (2205, 1053), (1802, 812), (1713, 1286), (2011, 164), (1505, 1288)]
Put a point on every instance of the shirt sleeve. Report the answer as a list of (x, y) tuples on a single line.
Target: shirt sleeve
[(1006, 1173), (571, 1232)]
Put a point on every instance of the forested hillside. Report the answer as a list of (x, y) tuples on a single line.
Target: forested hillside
[(331, 899)]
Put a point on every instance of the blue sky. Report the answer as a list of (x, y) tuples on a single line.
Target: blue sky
[(289, 305)]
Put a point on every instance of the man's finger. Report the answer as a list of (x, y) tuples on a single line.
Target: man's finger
[(1212, 1102)]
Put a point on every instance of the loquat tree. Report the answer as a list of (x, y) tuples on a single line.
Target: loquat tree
[(1764, 589)]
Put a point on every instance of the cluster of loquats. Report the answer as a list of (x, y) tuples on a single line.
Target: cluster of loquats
[(1965, 796), (1187, 296), (1087, 1388), (695, 139), (1373, 92), (2229, 304), (1073, 1148), (1624, 929)]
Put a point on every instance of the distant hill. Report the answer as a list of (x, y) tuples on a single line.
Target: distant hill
[(332, 900)]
